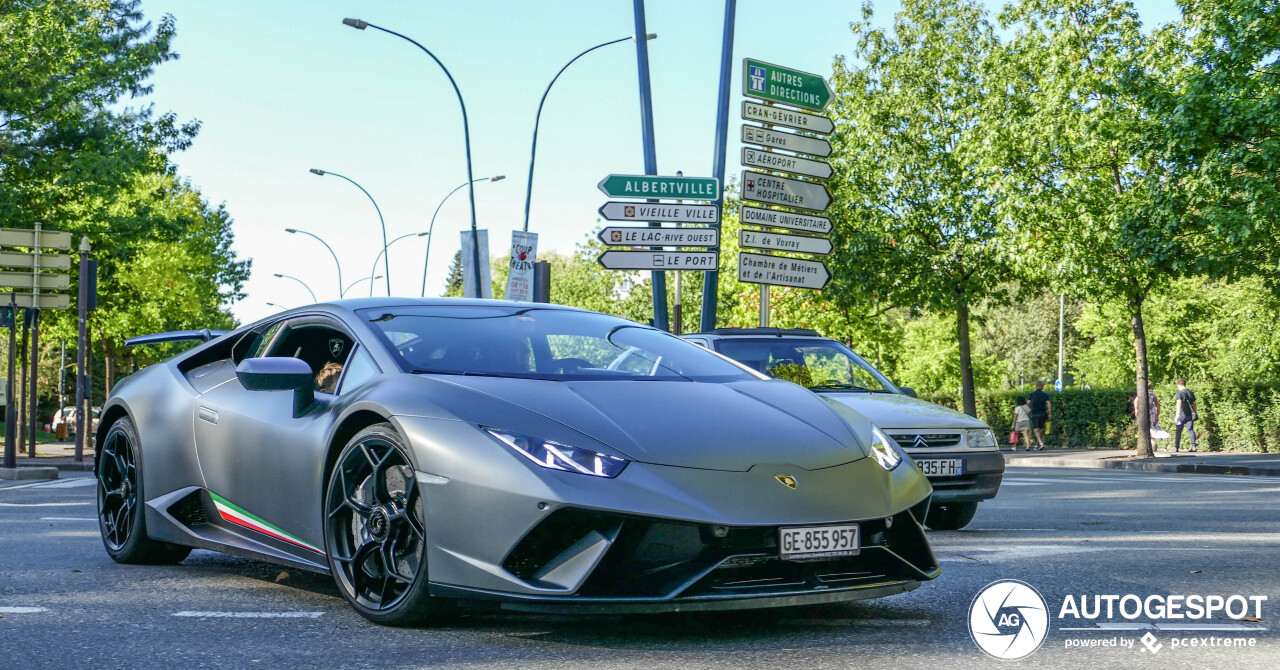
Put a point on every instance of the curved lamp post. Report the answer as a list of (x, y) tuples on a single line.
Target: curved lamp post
[(326, 246), (533, 150), (279, 307), (353, 284), (384, 251), (466, 136), (386, 265), (432, 227), (304, 285)]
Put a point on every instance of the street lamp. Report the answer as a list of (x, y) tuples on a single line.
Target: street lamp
[(384, 250), (353, 284), (326, 246), (304, 285), (432, 227), (386, 265), (280, 307), (466, 137), (533, 150)]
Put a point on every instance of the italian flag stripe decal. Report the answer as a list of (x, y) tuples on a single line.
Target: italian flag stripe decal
[(240, 517)]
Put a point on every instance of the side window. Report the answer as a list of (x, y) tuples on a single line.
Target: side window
[(323, 347), (360, 369)]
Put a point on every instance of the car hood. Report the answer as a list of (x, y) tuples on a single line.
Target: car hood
[(891, 410), (688, 424)]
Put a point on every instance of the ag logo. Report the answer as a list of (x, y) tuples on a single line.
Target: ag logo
[(1008, 619)]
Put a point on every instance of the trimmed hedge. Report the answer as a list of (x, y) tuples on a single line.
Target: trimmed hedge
[(1232, 418)]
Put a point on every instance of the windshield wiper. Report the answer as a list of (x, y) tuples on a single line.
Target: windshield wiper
[(840, 387)]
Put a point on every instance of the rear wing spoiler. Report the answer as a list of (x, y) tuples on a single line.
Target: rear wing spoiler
[(202, 335)]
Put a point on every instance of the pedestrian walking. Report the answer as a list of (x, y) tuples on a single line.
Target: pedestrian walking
[(1041, 413), (1153, 412), (1184, 415), (1021, 422)]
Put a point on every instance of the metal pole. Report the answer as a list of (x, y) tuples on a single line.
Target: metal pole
[(710, 280), (386, 266), (1062, 308), (659, 279), (10, 416), (62, 374), (430, 230), (33, 419), (82, 346), (533, 148), (677, 310), (304, 285), (331, 253), (374, 270)]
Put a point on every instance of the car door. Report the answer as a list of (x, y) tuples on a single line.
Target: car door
[(263, 465)]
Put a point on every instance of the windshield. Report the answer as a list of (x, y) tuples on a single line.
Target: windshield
[(541, 343), (816, 364)]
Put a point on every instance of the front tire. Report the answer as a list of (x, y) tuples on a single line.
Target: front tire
[(375, 532), (121, 513), (950, 516)]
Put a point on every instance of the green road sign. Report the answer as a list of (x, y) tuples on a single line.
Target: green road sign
[(658, 187), (784, 85)]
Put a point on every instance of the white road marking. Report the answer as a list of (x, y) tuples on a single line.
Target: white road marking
[(22, 610), (58, 504), (55, 484), (1021, 552), (864, 623), (250, 615), (67, 518)]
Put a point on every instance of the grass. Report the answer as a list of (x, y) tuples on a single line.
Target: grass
[(41, 436)]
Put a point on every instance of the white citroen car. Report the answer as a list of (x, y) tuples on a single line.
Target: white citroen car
[(957, 452)]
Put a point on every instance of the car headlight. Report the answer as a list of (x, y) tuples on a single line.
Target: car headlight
[(981, 438), (556, 456), (884, 450)]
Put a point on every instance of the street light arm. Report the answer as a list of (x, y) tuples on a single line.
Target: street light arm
[(533, 149), (386, 266), (384, 250), (353, 284), (331, 253), (304, 285), (466, 137), (431, 229)]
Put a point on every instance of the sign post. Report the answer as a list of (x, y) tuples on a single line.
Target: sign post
[(88, 293)]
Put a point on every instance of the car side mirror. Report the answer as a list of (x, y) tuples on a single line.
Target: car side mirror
[(280, 373), (908, 391)]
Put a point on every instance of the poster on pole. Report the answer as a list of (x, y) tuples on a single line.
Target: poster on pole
[(524, 253), (468, 267)]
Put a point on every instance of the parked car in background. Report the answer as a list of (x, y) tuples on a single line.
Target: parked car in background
[(957, 452), (63, 422)]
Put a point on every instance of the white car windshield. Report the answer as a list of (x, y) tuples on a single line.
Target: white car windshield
[(816, 364), (541, 343)]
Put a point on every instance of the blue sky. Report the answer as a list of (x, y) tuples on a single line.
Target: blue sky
[(282, 87)]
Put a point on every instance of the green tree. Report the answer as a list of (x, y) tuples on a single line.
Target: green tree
[(913, 225), (453, 284)]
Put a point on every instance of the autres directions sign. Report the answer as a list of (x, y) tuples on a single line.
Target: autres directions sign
[(659, 211), (759, 187), (785, 163), (660, 237), (754, 239), (660, 187), (659, 260), (784, 85), (776, 116)]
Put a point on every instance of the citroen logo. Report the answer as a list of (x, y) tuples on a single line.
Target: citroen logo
[(786, 480), (921, 442)]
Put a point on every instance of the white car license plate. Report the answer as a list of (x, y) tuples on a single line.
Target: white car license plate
[(941, 467), (818, 542)]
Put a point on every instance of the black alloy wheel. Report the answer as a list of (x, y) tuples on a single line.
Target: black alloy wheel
[(121, 516), (375, 530)]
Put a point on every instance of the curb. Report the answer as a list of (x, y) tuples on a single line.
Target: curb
[(1192, 468), (29, 472)]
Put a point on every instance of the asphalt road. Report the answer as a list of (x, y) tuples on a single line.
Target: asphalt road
[(66, 605)]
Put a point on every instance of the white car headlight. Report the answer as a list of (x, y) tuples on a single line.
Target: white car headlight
[(556, 456), (884, 450), (981, 438)]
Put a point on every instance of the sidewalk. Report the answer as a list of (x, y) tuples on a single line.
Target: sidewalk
[(1209, 463), (57, 455)]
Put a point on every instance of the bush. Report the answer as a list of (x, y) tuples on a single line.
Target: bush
[(1232, 418)]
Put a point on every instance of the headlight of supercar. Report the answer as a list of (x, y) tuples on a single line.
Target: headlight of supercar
[(884, 450), (556, 456), (981, 438)]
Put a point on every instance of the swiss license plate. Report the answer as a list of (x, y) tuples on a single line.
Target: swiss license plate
[(941, 467), (818, 542)]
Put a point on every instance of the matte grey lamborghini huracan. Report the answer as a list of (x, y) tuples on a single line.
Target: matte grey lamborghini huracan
[(528, 456)]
